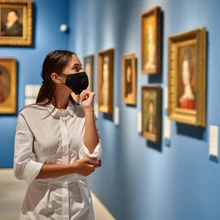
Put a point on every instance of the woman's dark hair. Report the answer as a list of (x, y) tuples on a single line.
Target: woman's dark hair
[(55, 62)]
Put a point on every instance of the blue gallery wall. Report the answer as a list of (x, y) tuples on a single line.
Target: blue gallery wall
[(48, 16), (140, 180)]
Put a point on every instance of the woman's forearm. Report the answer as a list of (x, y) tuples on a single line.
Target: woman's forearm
[(91, 138), (55, 170)]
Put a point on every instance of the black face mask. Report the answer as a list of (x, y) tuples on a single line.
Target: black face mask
[(77, 82)]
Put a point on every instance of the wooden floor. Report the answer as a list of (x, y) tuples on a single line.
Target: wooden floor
[(12, 193)]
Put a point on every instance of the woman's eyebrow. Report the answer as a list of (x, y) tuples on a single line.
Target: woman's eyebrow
[(77, 64)]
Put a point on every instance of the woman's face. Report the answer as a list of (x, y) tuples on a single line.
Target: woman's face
[(74, 66), (186, 73)]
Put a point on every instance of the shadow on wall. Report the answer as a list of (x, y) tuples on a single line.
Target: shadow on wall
[(191, 131), (154, 146)]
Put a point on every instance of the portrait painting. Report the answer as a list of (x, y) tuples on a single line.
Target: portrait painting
[(105, 80), (89, 69), (16, 22), (187, 78), (187, 82), (8, 86), (151, 41), (129, 79), (151, 113)]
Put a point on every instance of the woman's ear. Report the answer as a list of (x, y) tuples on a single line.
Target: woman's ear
[(56, 78)]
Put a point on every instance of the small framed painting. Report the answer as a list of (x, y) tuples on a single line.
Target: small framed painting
[(129, 79), (151, 41), (151, 113), (105, 80)]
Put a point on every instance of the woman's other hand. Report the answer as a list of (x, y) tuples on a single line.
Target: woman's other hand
[(86, 166), (87, 99)]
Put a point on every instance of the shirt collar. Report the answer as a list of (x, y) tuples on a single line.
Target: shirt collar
[(56, 113)]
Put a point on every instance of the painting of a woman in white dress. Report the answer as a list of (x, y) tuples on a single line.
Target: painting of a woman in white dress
[(187, 97)]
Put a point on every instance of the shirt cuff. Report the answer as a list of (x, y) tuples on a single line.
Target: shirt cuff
[(31, 171), (84, 152)]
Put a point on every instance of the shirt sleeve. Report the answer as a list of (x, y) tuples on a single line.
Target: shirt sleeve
[(25, 165), (84, 152)]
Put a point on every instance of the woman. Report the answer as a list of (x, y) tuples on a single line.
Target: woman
[(187, 99), (57, 144)]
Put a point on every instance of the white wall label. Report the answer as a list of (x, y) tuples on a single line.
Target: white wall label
[(116, 116), (96, 110), (213, 141)]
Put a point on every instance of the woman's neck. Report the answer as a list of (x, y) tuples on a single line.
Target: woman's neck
[(60, 100), (188, 93)]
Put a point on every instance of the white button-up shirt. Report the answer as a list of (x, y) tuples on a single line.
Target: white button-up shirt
[(46, 135)]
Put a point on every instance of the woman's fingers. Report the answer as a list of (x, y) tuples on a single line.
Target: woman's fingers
[(95, 162), (86, 94), (99, 163)]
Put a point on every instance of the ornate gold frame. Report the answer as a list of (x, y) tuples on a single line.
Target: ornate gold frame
[(109, 107), (198, 116), (10, 105), (26, 39), (129, 100)]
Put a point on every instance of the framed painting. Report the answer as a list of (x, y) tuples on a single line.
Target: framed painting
[(89, 69), (8, 86), (129, 79), (105, 80), (16, 22), (187, 77), (151, 27), (151, 113)]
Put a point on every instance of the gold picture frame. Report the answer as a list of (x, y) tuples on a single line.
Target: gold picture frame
[(8, 86), (151, 113), (151, 29), (16, 23), (129, 81), (89, 69), (187, 77), (105, 80)]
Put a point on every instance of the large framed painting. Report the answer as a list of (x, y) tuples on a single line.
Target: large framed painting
[(129, 79), (105, 80), (16, 22), (151, 29), (187, 77), (151, 113), (8, 86), (89, 69)]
